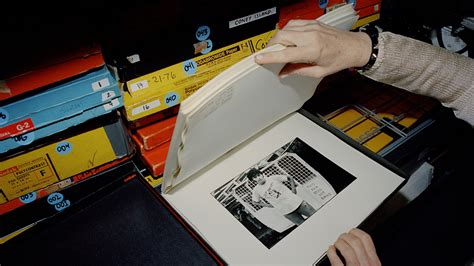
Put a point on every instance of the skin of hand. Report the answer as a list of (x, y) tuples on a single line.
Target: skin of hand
[(315, 49), (356, 247)]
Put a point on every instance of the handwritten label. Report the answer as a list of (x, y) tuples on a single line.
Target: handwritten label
[(64, 148), (171, 99), (55, 198), (98, 85), (3, 116), (253, 17), (108, 95), (190, 67), (133, 58), (62, 205), (146, 107), (203, 33), (165, 77), (218, 100), (28, 198), (140, 85), (111, 105), (208, 48), (24, 139)]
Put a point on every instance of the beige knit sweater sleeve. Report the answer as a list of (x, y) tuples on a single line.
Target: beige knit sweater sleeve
[(426, 69)]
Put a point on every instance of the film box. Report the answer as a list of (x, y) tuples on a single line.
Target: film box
[(167, 87), (56, 103), (29, 171)]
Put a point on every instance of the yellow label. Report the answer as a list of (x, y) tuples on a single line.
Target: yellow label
[(169, 86), (366, 20), (39, 168)]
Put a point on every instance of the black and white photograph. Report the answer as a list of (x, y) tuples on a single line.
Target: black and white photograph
[(280, 192)]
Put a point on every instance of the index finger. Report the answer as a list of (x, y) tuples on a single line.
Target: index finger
[(287, 55)]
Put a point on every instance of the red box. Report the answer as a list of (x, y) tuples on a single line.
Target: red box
[(60, 69), (307, 9), (154, 159), (359, 4), (368, 11), (153, 118), (156, 134)]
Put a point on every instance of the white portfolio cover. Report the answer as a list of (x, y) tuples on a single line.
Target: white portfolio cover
[(236, 104)]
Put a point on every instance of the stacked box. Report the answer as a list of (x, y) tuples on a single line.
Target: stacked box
[(31, 170)]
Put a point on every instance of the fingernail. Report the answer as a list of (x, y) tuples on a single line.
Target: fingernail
[(283, 76), (259, 57)]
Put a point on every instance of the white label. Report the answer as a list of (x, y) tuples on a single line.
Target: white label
[(98, 85), (142, 84), (146, 107), (133, 58), (112, 104), (108, 95), (253, 17)]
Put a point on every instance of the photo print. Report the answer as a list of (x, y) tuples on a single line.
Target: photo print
[(280, 192)]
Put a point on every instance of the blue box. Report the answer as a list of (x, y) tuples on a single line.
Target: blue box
[(32, 136), (55, 104)]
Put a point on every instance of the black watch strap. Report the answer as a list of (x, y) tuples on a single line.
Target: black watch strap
[(374, 37)]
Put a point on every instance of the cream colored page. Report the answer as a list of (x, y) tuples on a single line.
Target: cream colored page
[(304, 245)]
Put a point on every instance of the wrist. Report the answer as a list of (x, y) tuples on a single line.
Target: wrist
[(365, 49)]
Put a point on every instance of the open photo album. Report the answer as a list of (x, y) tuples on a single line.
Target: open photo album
[(260, 182)]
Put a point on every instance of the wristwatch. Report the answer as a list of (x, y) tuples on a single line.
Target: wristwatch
[(373, 33)]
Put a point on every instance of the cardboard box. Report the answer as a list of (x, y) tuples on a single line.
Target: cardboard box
[(32, 137), (43, 192), (47, 207), (153, 118), (307, 9), (159, 39), (77, 63), (189, 76), (154, 159), (54, 104), (156, 134), (31, 170), (369, 10)]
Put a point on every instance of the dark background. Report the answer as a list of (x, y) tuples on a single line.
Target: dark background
[(31, 33)]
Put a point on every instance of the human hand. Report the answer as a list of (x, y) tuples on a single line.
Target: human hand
[(356, 247), (316, 49)]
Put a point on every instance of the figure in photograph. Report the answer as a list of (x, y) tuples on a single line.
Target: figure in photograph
[(279, 196)]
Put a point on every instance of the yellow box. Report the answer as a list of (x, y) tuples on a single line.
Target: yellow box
[(30, 171), (169, 86)]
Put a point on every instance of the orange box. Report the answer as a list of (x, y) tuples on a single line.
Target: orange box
[(156, 134), (155, 159), (359, 4), (77, 63), (369, 10), (153, 118), (307, 9)]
